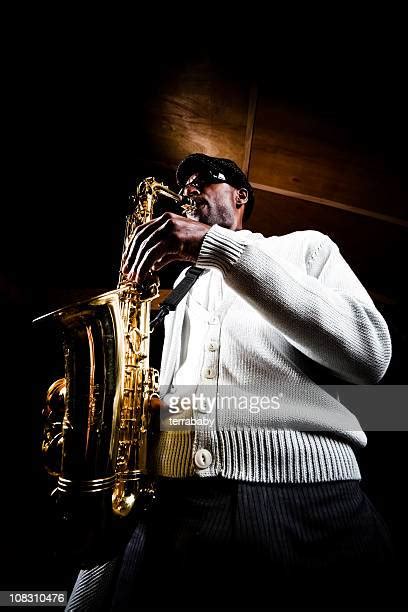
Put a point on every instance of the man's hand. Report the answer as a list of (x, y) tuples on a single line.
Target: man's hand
[(168, 238)]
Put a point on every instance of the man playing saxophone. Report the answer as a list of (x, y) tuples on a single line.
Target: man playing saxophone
[(261, 496)]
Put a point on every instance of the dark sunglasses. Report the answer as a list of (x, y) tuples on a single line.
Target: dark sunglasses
[(203, 179)]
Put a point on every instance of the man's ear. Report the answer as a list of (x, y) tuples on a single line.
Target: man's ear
[(242, 197)]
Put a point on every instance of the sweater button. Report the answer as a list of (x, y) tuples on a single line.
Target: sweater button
[(212, 346), (203, 458), (208, 372)]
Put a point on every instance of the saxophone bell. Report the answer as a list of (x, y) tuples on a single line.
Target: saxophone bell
[(98, 430)]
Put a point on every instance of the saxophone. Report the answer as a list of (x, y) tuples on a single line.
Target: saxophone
[(97, 420)]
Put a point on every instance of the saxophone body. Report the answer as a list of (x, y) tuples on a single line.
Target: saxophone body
[(97, 420)]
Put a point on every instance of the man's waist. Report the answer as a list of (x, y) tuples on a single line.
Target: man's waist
[(255, 455)]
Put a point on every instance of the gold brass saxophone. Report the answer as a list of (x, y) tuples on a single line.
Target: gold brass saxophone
[(97, 417)]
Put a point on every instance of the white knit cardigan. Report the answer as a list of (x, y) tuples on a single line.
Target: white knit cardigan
[(295, 302)]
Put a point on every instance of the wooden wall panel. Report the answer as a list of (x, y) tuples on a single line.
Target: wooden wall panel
[(376, 250), (197, 110), (297, 150)]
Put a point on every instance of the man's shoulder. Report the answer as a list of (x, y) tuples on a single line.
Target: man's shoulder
[(309, 236), (302, 245)]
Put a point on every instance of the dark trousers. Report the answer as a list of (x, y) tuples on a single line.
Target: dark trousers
[(217, 543)]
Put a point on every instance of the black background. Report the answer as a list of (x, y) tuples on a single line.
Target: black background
[(89, 86)]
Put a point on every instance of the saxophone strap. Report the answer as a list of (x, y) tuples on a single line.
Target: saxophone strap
[(171, 302)]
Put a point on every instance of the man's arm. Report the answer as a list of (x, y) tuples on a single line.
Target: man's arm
[(320, 307), (317, 303)]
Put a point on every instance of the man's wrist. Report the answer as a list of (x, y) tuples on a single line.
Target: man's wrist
[(220, 249)]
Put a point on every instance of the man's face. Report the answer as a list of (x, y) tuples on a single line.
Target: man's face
[(216, 202)]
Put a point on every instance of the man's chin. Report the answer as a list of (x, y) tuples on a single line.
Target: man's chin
[(200, 216), (201, 211)]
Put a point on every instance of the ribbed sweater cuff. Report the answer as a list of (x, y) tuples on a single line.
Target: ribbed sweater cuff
[(221, 248)]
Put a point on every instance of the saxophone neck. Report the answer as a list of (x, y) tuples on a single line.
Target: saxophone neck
[(150, 185), (142, 210)]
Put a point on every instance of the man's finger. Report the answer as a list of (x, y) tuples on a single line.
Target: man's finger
[(165, 261), (143, 265), (143, 233), (136, 257)]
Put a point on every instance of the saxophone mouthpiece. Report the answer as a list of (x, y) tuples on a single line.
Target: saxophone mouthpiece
[(188, 205)]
